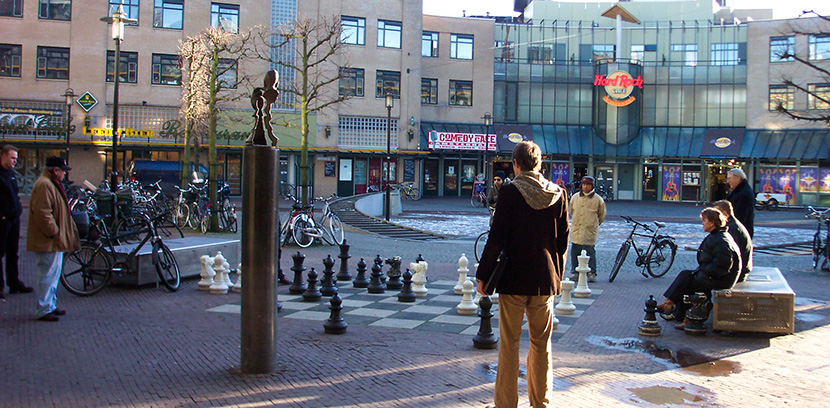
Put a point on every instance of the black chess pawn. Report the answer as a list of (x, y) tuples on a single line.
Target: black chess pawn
[(375, 285), (328, 288), (649, 326), (485, 338), (335, 324), (406, 295), (696, 315), (298, 286), (312, 294), (361, 281), (343, 274), (420, 258)]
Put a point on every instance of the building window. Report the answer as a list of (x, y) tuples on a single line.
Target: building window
[(168, 14), (781, 95), (604, 52), (461, 93), (130, 8), (461, 46), (429, 44), (725, 54), (11, 8), (354, 30), (504, 51), (388, 82), (127, 67), (226, 73), (167, 69), (638, 52), (365, 132), (687, 53), (10, 60), (389, 34), (225, 16), (819, 46), (781, 49), (351, 81), (53, 62), (539, 55), (429, 91), (55, 9), (818, 96)]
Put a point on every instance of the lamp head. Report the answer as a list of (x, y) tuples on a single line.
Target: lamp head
[(390, 100)]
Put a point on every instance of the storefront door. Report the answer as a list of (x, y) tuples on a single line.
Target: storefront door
[(431, 177), (451, 171), (650, 182), (374, 175), (468, 175), (605, 179), (718, 188), (360, 170)]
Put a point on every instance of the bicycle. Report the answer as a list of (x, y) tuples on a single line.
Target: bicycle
[(286, 189), (410, 191), (89, 270), (820, 248), (303, 228), (479, 197), (656, 258), (478, 247)]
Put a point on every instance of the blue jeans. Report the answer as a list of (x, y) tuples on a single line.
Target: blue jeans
[(49, 265), (576, 250)]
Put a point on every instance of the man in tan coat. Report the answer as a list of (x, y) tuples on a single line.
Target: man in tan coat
[(587, 214), (51, 232)]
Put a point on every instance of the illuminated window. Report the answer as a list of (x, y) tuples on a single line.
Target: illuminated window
[(388, 82), (461, 93), (53, 62), (10, 55), (429, 91), (127, 67), (818, 96), (781, 95), (351, 81)]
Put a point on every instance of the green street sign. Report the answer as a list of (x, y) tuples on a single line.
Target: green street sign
[(87, 101)]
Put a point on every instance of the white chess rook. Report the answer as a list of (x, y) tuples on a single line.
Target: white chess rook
[(207, 272), (238, 286), (582, 289), (467, 307), (462, 274), (419, 279), (566, 305)]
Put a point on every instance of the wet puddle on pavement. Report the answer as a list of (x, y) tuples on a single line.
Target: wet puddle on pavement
[(661, 395), (488, 371)]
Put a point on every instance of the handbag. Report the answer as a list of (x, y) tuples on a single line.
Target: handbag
[(501, 264)]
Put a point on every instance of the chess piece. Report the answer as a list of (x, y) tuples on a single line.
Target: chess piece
[(238, 286), (696, 314), (328, 288), (462, 274), (649, 326), (566, 305), (554, 321), (394, 273), (407, 294), (485, 338), (376, 285), (467, 307), (420, 258), (335, 324), (219, 287), (379, 262), (361, 281), (582, 289), (343, 274), (207, 272), (226, 267), (312, 294), (419, 279), (298, 286)]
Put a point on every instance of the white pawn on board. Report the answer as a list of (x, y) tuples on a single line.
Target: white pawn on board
[(582, 289), (207, 272), (462, 274), (419, 279), (226, 267), (237, 287), (219, 287), (566, 305), (555, 322), (467, 307)]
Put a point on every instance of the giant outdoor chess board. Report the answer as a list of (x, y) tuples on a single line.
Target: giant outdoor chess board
[(436, 312)]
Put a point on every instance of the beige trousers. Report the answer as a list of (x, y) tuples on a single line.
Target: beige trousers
[(539, 310)]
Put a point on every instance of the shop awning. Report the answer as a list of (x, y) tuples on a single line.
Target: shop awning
[(786, 144)]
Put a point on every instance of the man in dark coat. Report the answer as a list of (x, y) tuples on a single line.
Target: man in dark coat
[(739, 234), (530, 226), (742, 198), (10, 210)]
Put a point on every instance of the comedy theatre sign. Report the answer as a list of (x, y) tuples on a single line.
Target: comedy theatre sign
[(618, 85), (461, 141)]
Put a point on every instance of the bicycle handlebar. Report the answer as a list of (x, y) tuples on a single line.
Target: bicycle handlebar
[(631, 220)]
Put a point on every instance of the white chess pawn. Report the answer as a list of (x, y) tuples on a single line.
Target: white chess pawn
[(207, 273), (462, 274), (238, 286), (226, 267), (467, 307), (555, 322), (582, 289), (566, 305), (419, 279), (219, 287)]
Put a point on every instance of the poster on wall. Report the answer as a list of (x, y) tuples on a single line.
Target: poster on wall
[(824, 180), (671, 179), (408, 170), (808, 182), (345, 169), (775, 180), (560, 174), (766, 178), (329, 169)]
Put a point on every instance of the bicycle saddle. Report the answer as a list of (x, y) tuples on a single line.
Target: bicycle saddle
[(660, 224)]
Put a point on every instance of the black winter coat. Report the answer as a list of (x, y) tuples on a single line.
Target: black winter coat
[(9, 200), (743, 202), (741, 237), (719, 261)]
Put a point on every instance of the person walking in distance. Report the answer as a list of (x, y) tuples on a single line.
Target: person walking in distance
[(51, 232), (493, 194), (742, 198), (530, 226), (587, 210), (10, 210)]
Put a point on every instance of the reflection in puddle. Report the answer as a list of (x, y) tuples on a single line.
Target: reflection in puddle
[(686, 359), (660, 395), (488, 371), (809, 317)]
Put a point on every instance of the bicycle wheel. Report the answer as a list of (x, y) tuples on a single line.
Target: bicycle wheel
[(86, 271), (618, 262), (336, 228), (299, 226), (180, 215), (166, 266), (287, 190), (195, 216), (415, 193), (825, 264), (476, 201), (228, 215), (204, 223), (481, 241), (817, 249), (126, 230), (661, 257)]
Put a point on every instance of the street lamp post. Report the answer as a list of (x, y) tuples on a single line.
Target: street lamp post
[(488, 121), (70, 99), (389, 102), (118, 19)]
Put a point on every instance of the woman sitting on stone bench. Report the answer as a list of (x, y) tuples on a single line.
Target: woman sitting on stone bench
[(719, 263)]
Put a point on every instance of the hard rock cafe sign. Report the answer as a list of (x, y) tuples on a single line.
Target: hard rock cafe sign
[(618, 85)]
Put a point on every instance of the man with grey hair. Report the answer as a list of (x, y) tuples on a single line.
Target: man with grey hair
[(742, 198)]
